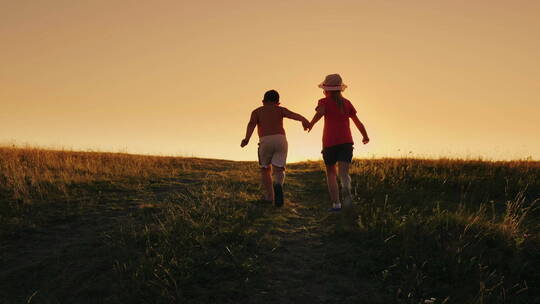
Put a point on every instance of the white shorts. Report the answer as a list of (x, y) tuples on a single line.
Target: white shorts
[(273, 150)]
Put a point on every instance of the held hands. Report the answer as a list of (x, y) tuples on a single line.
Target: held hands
[(244, 142), (307, 126)]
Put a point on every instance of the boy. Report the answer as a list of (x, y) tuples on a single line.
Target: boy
[(272, 143)]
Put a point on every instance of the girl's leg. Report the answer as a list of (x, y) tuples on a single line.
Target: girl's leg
[(331, 180), (266, 180), (345, 178)]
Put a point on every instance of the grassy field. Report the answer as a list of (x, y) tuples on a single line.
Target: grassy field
[(86, 227)]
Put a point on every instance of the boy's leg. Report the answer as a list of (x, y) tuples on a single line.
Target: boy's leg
[(279, 178), (331, 180), (265, 157), (345, 178), (279, 174), (266, 181), (279, 159)]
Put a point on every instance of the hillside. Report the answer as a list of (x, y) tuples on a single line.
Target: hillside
[(87, 227)]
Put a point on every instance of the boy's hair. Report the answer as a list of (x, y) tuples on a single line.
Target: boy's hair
[(271, 96)]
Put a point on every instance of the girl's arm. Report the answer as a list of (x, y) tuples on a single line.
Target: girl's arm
[(314, 120), (361, 128), (320, 113)]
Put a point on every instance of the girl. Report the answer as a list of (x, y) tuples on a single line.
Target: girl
[(337, 138)]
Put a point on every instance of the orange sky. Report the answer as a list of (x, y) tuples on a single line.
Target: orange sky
[(438, 78)]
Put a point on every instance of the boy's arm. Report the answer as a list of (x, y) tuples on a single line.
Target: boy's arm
[(295, 116), (249, 129), (361, 128)]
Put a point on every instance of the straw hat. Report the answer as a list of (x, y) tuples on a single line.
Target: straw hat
[(333, 82)]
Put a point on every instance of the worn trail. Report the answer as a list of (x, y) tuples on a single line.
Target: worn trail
[(304, 267)]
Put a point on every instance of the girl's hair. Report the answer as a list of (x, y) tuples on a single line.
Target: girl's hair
[(336, 95)]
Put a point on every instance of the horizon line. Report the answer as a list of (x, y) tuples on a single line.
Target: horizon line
[(409, 156)]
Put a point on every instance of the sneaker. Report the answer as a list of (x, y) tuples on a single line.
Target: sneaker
[(278, 195), (335, 207)]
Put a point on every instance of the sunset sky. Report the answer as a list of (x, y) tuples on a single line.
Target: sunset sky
[(428, 78)]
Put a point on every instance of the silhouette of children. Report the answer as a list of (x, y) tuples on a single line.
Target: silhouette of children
[(272, 143), (337, 138)]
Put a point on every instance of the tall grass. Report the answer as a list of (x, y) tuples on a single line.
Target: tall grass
[(446, 181), (202, 249), (29, 174), (38, 185), (455, 257), (448, 231), (422, 231)]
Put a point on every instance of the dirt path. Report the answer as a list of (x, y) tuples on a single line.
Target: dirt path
[(303, 268)]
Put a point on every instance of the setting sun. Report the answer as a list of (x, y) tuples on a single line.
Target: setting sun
[(428, 78)]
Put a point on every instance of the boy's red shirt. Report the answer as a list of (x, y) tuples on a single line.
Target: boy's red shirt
[(336, 124), (269, 119)]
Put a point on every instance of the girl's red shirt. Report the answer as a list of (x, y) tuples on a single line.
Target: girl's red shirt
[(336, 123)]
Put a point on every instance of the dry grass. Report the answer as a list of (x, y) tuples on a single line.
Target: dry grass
[(27, 174), (445, 231)]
